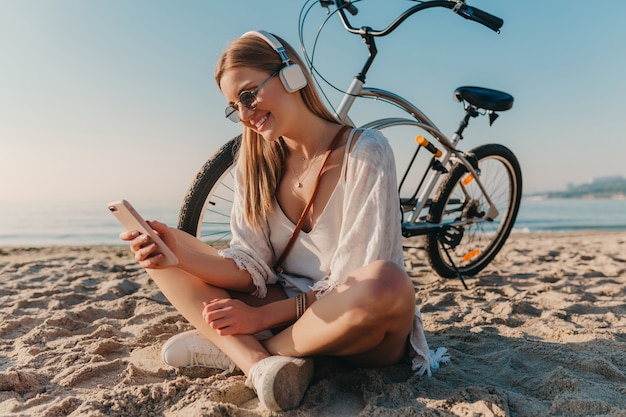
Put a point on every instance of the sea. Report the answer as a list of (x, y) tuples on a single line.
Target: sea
[(90, 223)]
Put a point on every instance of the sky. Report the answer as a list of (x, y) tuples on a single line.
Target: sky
[(109, 99)]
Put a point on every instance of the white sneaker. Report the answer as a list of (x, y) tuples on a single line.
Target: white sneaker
[(280, 381), (193, 349)]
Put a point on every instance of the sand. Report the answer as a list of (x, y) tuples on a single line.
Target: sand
[(540, 332)]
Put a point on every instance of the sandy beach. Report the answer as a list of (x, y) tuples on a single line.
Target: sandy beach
[(540, 332)]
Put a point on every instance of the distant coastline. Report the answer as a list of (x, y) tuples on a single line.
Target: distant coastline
[(600, 188)]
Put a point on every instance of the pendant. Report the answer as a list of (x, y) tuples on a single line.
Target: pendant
[(298, 184)]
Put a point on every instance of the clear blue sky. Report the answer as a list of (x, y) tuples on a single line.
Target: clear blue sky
[(108, 99)]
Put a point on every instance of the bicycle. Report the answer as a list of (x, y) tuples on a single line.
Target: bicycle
[(477, 193)]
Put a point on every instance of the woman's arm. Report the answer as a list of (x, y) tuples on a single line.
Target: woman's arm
[(204, 262), (194, 256), (244, 266), (232, 316)]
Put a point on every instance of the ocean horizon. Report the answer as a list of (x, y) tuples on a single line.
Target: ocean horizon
[(90, 223)]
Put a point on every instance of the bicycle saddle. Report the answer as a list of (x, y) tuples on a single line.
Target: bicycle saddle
[(484, 98)]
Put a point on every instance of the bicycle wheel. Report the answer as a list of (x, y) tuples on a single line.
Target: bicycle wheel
[(205, 212), (472, 245)]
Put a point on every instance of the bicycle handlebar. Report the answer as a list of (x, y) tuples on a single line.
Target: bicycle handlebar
[(468, 12)]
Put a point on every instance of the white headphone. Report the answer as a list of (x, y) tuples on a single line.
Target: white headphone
[(291, 75)]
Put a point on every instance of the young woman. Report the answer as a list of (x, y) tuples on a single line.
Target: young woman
[(341, 289)]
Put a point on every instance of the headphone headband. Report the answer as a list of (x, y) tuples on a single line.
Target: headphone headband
[(271, 41), (291, 75)]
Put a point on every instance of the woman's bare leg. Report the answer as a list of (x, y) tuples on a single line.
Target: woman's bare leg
[(187, 294), (366, 320)]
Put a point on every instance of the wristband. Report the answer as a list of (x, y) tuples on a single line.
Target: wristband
[(300, 305)]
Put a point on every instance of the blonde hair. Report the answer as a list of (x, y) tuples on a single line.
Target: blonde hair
[(261, 162)]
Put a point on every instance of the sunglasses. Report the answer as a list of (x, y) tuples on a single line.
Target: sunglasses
[(247, 98)]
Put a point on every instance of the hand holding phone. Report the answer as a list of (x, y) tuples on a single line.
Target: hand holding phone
[(131, 220)]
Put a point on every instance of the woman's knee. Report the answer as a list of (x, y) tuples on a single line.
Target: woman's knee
[(385, 287), (387, 278)]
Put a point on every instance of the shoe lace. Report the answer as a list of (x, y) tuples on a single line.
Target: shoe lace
[(214, 359)]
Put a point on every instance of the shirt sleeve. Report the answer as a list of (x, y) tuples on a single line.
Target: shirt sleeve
[(250, 249), (371, 226)]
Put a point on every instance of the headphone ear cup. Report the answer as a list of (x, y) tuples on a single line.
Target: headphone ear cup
[(291, 75), (293, 78)]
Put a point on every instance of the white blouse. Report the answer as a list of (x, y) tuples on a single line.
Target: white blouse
[(361, 223)]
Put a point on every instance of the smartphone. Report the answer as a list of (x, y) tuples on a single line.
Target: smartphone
[(131, 220)]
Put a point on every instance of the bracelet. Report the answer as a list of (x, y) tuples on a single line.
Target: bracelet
[(300, 305)]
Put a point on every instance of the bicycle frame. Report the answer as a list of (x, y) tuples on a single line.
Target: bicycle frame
[(413, 226)]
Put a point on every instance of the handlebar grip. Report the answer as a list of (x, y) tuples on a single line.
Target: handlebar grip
[(472, 13), (494, 22)]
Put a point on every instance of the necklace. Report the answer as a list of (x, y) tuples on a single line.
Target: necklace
[(300, 178)]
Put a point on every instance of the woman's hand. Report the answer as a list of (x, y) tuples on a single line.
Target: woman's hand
[(144, 249), (230, 316)]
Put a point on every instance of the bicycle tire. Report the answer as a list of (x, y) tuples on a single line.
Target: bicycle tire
[(474, 245), (206, 209)]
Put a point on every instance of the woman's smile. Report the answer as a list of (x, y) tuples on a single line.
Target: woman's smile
[(261, 122)]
